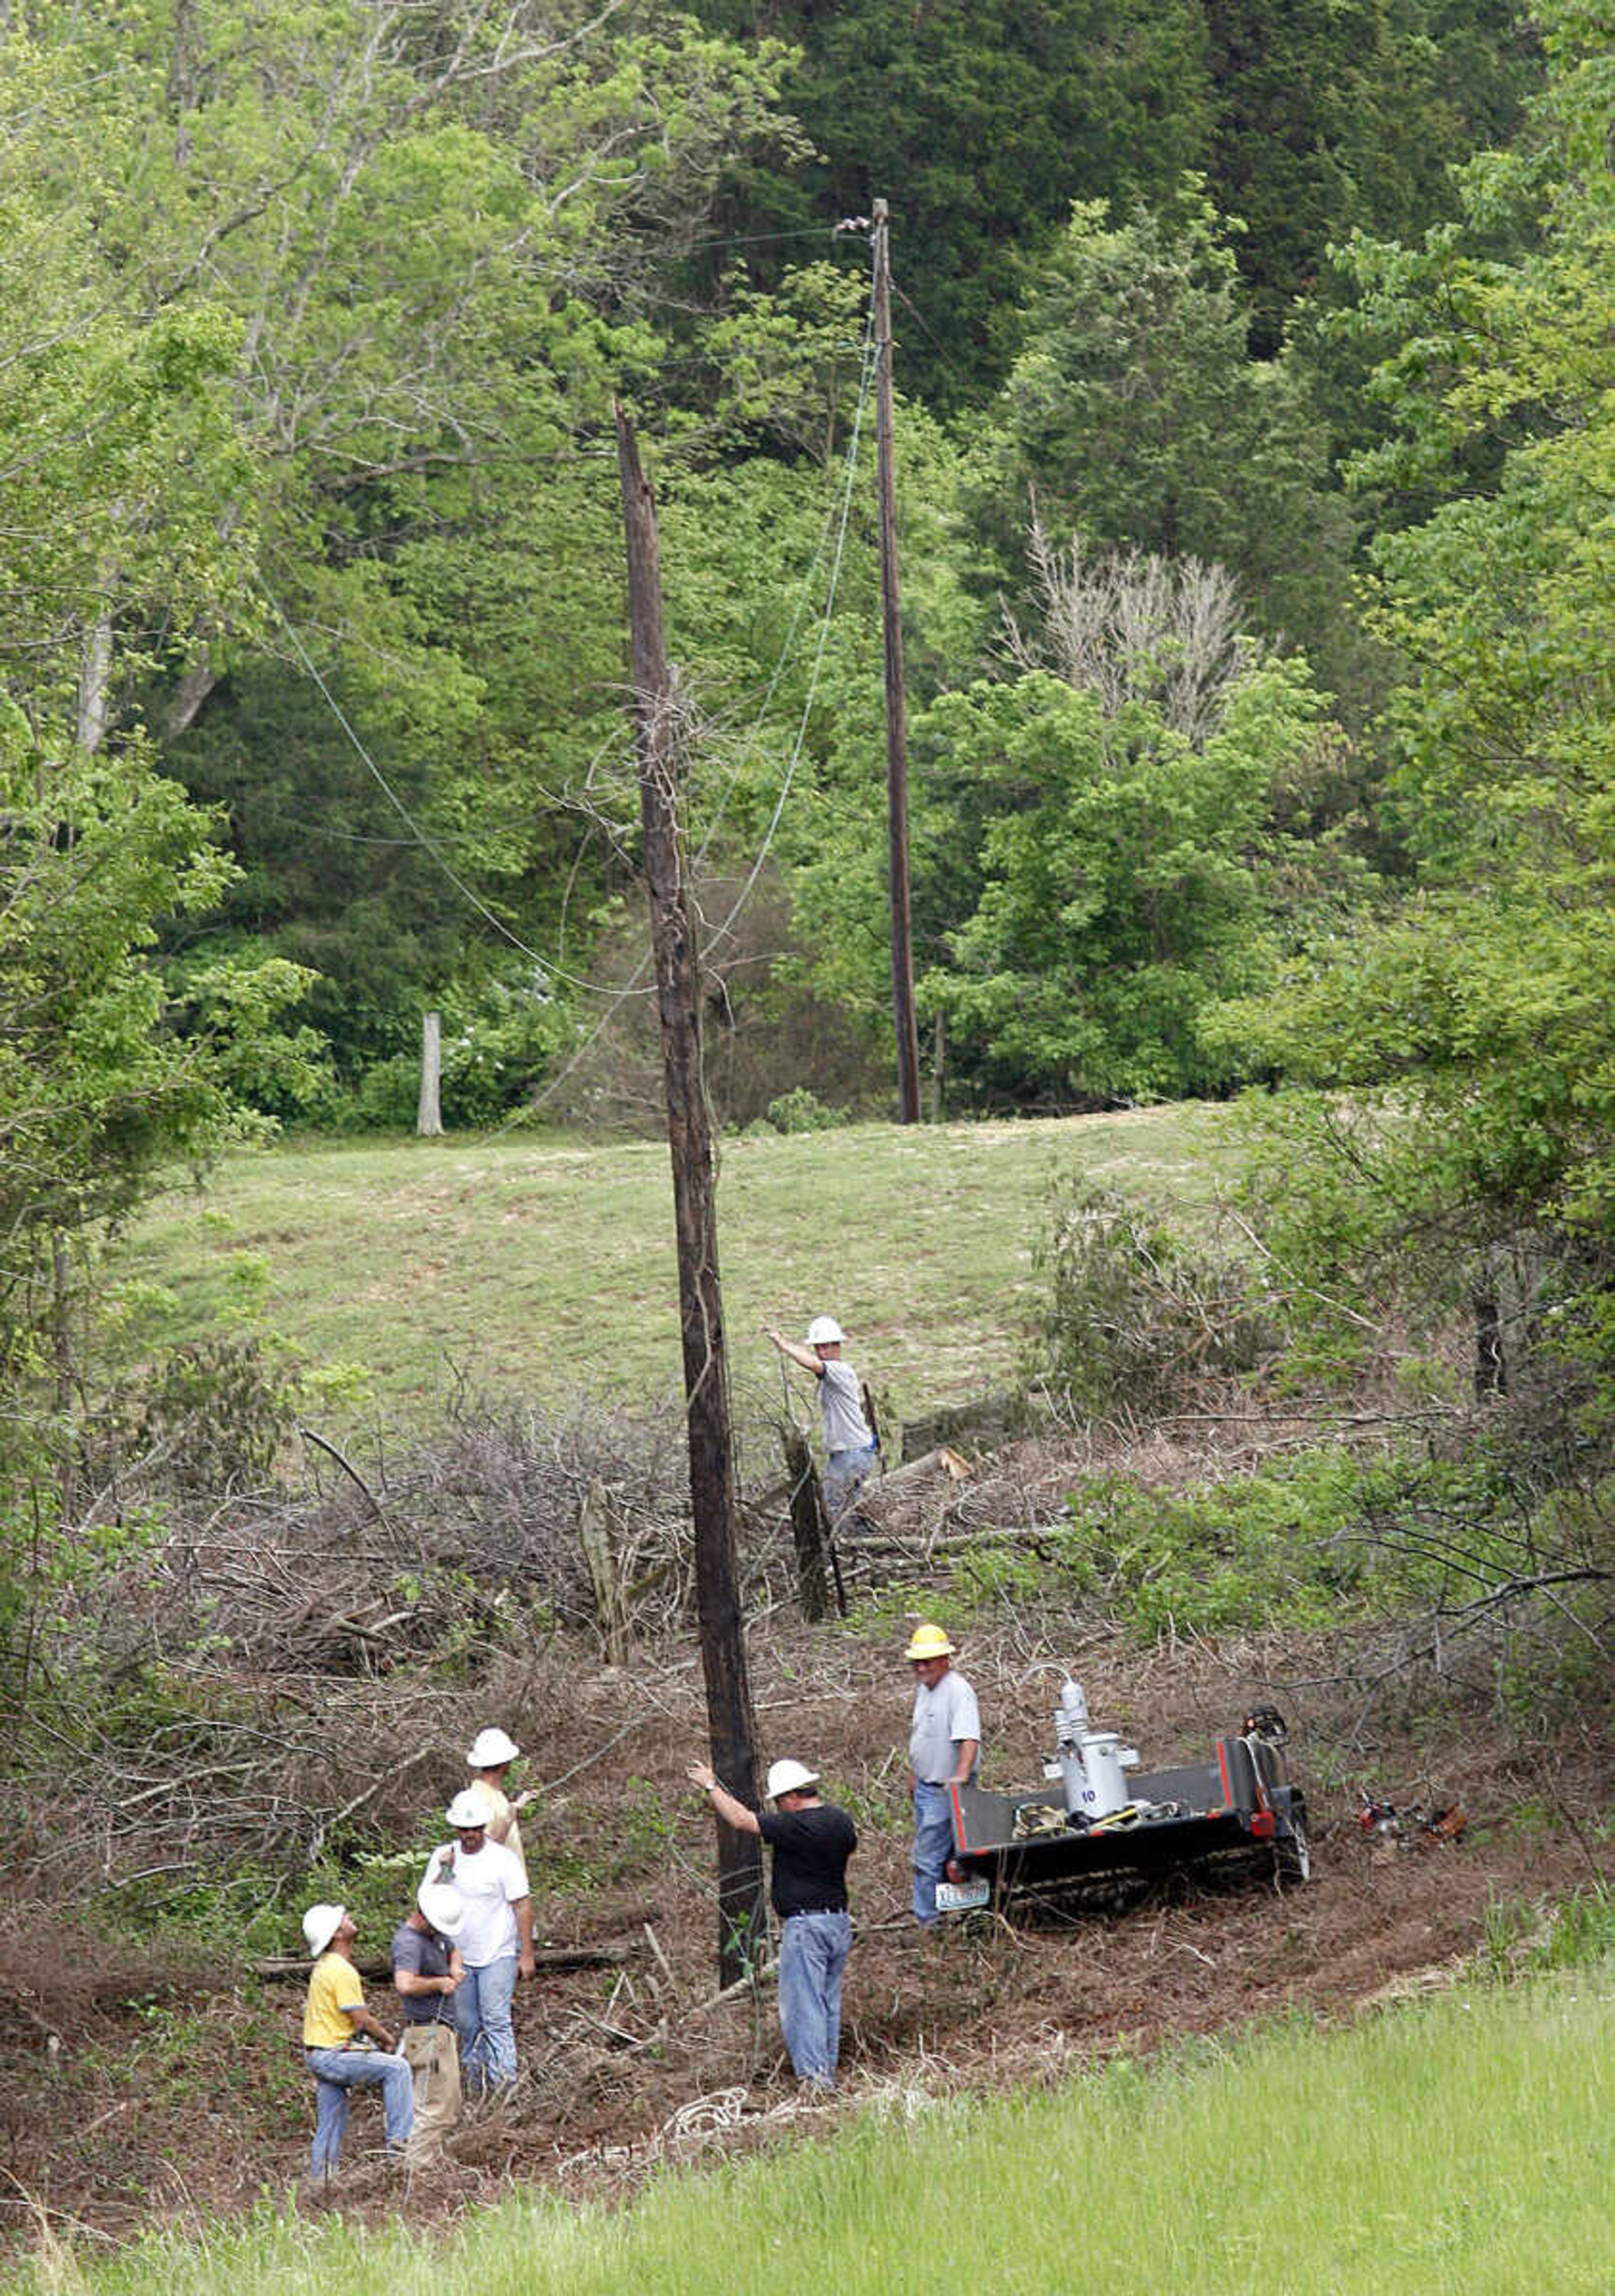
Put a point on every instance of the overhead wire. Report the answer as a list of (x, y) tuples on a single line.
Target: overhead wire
[(818, 659), (617, 991), (467, 892), (562, 1074)]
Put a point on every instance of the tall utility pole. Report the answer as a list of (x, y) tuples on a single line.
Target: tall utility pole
[(897, 707), (723, 1643)]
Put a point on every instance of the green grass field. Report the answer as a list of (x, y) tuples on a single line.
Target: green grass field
[(546, 1269), (1464, 2147)]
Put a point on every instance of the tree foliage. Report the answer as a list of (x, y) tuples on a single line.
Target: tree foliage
[(1475, 1024), (1134, 417), (1334, 115), (1124, 876)]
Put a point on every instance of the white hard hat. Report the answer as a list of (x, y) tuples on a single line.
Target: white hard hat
[(824, 1331), (492, 1748), (468, 1808), (321, 1925), (442, 1906), (788, 1777)]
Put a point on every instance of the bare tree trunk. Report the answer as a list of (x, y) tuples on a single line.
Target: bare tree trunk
[(730, 1720), (181, 78), (95, 686), (429, 1112), (1491, 1369), (193, 690), (61, 1350)]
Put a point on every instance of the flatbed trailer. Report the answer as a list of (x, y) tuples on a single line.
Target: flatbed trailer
[(1026, 1844)]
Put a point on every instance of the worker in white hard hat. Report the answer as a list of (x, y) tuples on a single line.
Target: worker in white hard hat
[(811, 1840), (488, 1761), (343, 2046), (851, 1450), (944, 1745), (495, 1942), (428, 1971)]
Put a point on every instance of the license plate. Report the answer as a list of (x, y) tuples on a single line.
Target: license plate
[(963, 1896)]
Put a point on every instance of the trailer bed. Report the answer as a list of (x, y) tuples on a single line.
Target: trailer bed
[(1241, 1798)]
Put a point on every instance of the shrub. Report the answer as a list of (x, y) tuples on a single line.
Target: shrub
[(801, 1110), (1132, 1318)]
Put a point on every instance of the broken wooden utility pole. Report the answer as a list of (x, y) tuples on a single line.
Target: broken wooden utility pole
[(723, 1644), (897, 707)]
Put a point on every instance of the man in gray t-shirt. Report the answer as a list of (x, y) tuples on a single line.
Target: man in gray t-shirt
[(944, 1744), (428, 1971), (850, 1449)]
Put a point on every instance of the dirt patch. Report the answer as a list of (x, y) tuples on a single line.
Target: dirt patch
[(139, 2085)]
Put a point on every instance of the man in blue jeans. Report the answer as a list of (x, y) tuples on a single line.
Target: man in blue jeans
[(851, 1453), (495, 1942), (343, 2046), (811, 1840), (944, 1742)]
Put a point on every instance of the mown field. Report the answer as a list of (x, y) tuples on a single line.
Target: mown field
[(543, 1269)]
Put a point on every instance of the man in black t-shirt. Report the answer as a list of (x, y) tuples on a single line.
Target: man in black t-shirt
[(427, 1969), (811, 1840)]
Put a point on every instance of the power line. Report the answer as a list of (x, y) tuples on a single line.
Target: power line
[(818, 659), (618, 992), (554, 972), (556, 1081)]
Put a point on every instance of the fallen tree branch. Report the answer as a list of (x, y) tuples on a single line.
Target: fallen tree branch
[(379, 1972)]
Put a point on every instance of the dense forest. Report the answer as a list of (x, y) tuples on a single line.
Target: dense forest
[(1254, 453)]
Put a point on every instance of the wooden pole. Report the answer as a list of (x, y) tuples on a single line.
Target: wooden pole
[(429, 1110), (723, 1643), (897, 707), (807, 1525)]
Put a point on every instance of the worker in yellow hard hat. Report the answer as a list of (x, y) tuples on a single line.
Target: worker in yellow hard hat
[(944, 1744)]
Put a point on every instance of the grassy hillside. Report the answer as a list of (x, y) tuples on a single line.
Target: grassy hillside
[(546, 1268)]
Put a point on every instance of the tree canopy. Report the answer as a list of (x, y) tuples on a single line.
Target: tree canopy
[(1473, 1022)]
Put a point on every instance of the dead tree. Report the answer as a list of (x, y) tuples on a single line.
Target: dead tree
[(712, 1494)]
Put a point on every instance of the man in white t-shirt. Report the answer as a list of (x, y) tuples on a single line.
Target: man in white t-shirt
[(495, 1942), (850, 1449), (944, 1745)]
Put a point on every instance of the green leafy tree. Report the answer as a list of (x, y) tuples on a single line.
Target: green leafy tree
[(424, 254), (979, 124), (1134, 417), (1126, 876), (1472, 1157), (116, 439), (1332, 116)]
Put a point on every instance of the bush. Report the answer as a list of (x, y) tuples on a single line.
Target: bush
[(1132, 1318), (801, 1110), (1239, 1554)]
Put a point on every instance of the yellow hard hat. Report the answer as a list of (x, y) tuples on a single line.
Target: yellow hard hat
[(929, 1642)]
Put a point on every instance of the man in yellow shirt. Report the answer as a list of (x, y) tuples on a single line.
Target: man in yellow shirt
[(343, 2046)]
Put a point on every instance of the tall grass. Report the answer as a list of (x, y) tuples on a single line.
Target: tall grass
[(1463, 2145)]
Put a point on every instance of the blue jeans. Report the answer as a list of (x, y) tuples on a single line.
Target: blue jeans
[(812, 1952), (488, 2038), (335, 2072), (845, 1474), (933, 1847)]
